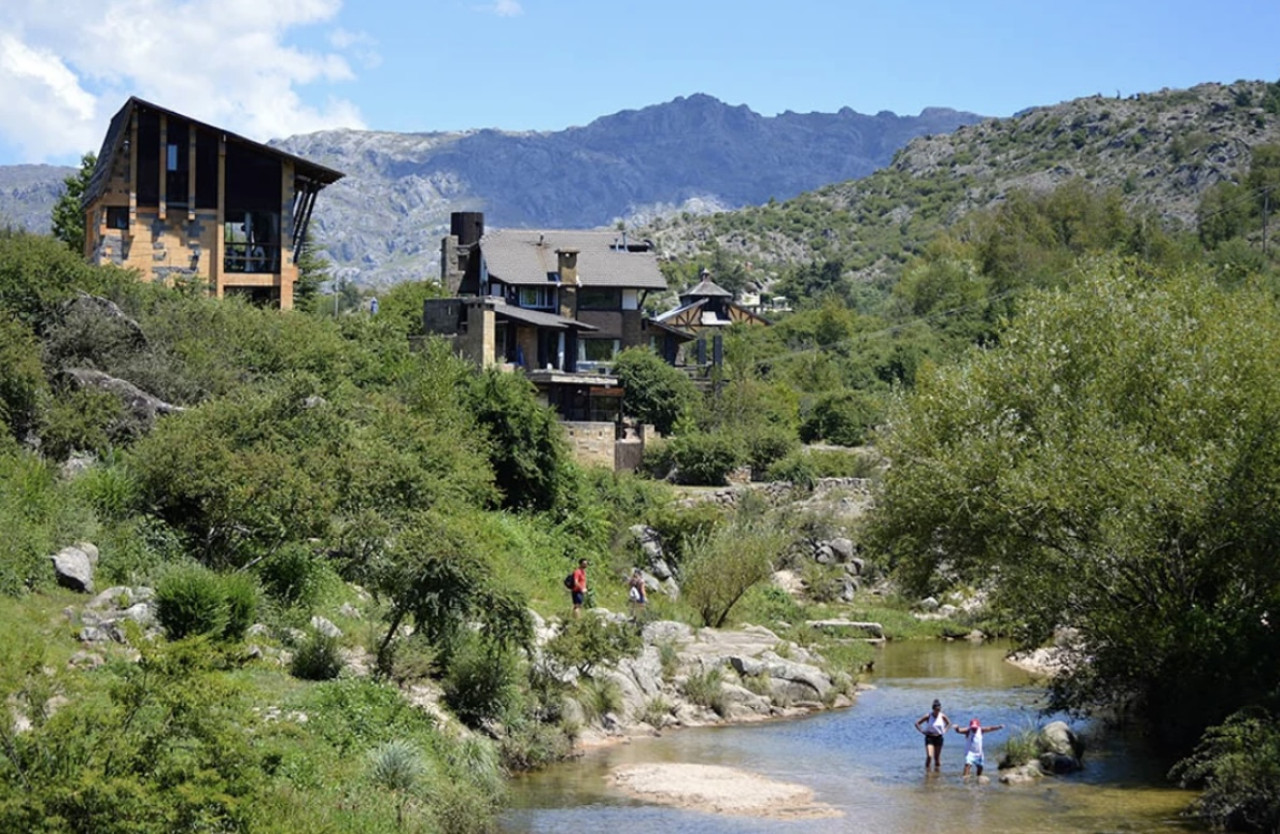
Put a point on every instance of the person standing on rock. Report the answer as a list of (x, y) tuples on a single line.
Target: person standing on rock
[(973, 744), (934, 725), (578, 587), (637, 594)]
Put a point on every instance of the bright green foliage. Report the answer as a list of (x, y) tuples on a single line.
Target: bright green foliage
[(162, 748), (22, 384), (705, 457), (843, 418), (439, 575), (1237, 763), (37, 273), (38, 518), (317, 658), (193, 600), (68, 216), (656, 392), (591, 642), (526, 449), (725, 564), (481, 683), (313, 271), (242, 476), (1114, 464)]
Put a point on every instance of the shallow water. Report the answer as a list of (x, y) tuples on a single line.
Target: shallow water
[(867, 761)]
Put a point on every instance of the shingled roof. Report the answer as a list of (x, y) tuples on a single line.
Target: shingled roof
[(117, 132), (525, 257)]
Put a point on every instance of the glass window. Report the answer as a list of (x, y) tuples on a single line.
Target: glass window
[(538, 298), (599, 298), (597, 350)]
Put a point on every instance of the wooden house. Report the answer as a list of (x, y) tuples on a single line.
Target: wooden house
[(183, 201)]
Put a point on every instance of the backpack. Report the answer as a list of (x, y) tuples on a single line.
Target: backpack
[(568, 582)]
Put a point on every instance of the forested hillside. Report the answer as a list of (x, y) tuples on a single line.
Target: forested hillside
[(1163, 153)]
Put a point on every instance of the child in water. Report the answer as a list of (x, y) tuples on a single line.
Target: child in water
[(973, 744)]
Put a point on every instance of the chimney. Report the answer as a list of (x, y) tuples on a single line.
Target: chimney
[(568, 264), (465, 230)]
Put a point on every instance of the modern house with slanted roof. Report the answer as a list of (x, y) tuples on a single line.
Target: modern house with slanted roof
[(180, 201)]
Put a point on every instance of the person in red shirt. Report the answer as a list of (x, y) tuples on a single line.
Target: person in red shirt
[(578, 589)]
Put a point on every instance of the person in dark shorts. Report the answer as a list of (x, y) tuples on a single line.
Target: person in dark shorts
[(933, 725), (578, 587)]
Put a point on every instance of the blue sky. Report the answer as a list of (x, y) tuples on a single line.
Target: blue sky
[(270, 68)]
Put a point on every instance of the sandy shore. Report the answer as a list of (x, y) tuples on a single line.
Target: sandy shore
[(720, 790)]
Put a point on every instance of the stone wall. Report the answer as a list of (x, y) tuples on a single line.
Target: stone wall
[(592, 443)]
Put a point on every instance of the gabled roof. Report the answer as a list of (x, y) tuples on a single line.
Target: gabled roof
[(117, 132), (706, 288), (525, 257)]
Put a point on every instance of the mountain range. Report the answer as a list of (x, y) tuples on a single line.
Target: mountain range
[(382, 223)]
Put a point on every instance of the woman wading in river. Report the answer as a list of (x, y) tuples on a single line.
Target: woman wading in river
[(933, 725)]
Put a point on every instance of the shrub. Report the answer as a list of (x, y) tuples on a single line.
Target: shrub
[(317, 659), (592, 641), (396, 765), (293, 576), (656, 392), (190, 601), (797, 468), (668, 659), (767, 444), (706, 689), (22, 383), (842, 418), (727, 563), (1237, 763), (599, 697), (655, 712), (481, 682), (241, 594), (705, 458)]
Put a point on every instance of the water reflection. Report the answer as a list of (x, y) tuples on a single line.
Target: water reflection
[(868, 762)]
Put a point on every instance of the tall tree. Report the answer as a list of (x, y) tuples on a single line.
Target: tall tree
[(1112, 467), (68, 217)]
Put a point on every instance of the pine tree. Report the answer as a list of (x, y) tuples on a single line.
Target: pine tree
[(68, 217)]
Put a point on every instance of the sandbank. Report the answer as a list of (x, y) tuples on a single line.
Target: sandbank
[(719, 790)]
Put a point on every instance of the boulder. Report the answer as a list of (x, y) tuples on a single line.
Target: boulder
[(843, 549), (1058, 763), (1023, 775), (325, 627), (1060, 739), (74, 568)]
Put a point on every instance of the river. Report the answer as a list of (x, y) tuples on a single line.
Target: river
[(868, 762)]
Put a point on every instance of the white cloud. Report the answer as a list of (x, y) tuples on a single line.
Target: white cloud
[(508, 8), (64, 71)]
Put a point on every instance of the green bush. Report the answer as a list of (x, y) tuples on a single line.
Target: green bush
[(190, 600), (767, 444), (317, 659), (592, 641), (1237, 764), (598, 697), (797, 468), (293, 576), (241, 592), (656, 393), (843, 418), (22, 383), (726, 564), (706, 689), (705, 458), (480, 684)]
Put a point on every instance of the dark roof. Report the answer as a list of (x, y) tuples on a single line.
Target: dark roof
[(706, 288), (116, 134), (540, 319), (523, 257)]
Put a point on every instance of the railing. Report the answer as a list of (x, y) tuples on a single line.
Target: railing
[(251, 258)]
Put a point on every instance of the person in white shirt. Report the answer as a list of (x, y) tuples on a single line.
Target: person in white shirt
[(973, 744), (933, 725)]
